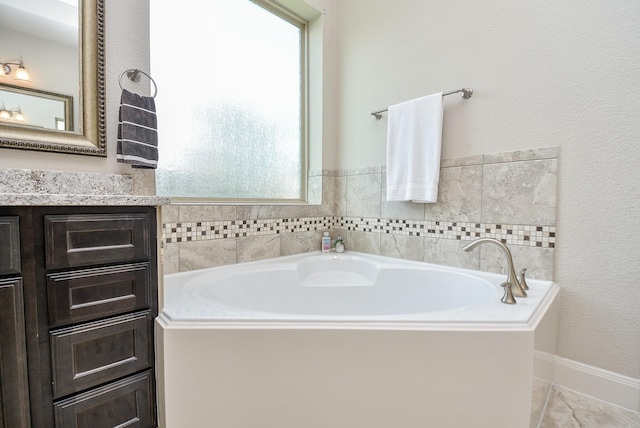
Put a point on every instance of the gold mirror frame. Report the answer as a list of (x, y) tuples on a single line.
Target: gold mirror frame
[(91, 139)]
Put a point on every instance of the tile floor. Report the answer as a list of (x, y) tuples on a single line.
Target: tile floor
[(568, 409)]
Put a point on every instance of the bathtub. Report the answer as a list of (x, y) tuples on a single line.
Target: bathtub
[(345, 341)]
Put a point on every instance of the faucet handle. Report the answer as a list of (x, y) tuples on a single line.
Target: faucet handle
[(523, 281), (508, 294)]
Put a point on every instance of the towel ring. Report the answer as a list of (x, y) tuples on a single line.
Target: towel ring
[(133, 74)]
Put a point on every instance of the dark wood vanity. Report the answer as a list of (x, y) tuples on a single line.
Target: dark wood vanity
[(78, 296)]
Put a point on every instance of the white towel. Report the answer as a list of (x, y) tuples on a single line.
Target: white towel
[(414, 141)]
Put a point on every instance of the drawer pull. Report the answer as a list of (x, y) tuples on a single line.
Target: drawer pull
[(105, 367)]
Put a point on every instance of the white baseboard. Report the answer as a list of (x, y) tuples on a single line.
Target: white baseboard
[(614, 388)]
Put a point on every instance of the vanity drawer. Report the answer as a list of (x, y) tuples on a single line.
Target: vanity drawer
[(90, 239), (9, 245), (88, 294), (90, 354), (128, 402)]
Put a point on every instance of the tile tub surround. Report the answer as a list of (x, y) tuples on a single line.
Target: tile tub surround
[(234, 241), (509, 196)]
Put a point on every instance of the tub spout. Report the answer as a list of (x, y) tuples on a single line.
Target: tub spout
[(512, 278)]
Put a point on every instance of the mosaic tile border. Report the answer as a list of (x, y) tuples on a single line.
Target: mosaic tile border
[(512, 234), (206, 230)]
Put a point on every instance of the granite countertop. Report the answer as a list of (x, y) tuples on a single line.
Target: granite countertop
[(27, 187), (61, 199)]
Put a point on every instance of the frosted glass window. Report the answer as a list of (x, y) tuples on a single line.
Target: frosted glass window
[(230, 77)]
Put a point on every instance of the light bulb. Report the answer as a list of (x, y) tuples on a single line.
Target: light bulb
[(22, 74)]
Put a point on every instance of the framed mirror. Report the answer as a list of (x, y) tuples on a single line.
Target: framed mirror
[(71, 85)]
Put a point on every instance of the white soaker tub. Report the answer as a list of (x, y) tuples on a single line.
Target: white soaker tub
[(345, 341)]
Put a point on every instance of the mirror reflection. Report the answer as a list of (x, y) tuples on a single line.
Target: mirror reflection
[(40, 54), (30, 107)]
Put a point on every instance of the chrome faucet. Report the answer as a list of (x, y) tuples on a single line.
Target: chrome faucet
[(516, 287)]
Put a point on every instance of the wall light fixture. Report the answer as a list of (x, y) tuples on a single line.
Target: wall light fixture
[(11, 113), (20, 75)]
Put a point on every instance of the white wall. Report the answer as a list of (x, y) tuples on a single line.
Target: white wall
[(127, 46), (327, 87), (545, 73)]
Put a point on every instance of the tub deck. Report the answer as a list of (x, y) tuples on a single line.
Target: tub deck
[(467, 367), (188, 296)]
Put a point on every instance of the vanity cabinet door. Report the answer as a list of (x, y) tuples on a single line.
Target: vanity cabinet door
[(14, 388), (9, 245)]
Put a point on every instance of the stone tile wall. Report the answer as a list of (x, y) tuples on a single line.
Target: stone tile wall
[(201, 236), (509, 196)]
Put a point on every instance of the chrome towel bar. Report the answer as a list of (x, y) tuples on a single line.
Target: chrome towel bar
[(466, 94)]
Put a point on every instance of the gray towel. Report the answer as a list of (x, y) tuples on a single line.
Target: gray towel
[(137, 131)]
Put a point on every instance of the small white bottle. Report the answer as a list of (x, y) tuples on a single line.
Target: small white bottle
[(326, 243)]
